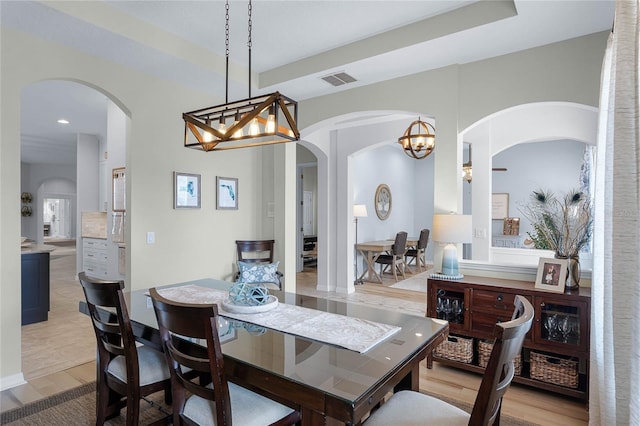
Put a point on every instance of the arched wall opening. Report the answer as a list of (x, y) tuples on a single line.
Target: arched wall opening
[(70, 171), (356, 152), (523, 124)]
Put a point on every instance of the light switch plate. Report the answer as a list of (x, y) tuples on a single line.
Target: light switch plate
[(151, 237)]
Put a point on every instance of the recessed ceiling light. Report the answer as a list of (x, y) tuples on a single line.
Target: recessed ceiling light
[(63, 121)]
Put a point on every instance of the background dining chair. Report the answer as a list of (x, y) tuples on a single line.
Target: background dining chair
[(412, 408), (417, 254), (125, 372), (219, 403), (395, 259), (255, 259)]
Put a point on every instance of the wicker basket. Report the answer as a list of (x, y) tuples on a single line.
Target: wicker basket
[(550, 369), (456, 348), (484, 352)]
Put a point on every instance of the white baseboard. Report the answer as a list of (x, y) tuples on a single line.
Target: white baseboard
[(12, 381)]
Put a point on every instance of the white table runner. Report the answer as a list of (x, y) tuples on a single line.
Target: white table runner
[(351, 333)]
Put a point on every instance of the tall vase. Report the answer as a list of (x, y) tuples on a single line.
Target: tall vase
[(573, 272)]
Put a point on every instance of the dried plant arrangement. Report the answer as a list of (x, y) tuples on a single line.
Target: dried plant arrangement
[(563, 225)]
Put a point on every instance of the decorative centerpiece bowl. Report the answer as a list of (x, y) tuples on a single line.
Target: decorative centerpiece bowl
[(245, 298)]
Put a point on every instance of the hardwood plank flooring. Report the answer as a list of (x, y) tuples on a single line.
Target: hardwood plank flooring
[(49, 372)]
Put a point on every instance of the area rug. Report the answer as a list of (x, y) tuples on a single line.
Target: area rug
[(414, 283), (77, 407)]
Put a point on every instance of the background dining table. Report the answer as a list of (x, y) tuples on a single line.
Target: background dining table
[(371, 250), (319, 379)]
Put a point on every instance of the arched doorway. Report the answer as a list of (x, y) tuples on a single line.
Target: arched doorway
[(67, 168), (349, 169)]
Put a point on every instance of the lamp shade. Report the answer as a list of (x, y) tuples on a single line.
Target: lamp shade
[(359, 210), (452, 228)]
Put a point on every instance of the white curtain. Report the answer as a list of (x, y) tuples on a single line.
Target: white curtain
[(615, 332)]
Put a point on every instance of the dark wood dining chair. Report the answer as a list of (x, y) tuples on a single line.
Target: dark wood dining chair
[(417, 254), (220, 402), (125, 371), (394, 259), (257, 252), (412, 408)]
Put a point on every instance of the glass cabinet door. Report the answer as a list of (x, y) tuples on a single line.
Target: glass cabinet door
[(450, 304), (561, 323)]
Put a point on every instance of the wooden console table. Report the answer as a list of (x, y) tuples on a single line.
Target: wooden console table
[(555, 354)]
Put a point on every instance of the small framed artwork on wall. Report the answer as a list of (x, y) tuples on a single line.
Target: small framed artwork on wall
[(227, 197), (186, 191), (499, 205)]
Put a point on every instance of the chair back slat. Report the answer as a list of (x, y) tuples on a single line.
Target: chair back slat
[(178, 321), (499, 372), (255, 251), (106, 327)]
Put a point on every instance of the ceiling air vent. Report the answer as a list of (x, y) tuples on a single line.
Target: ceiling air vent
[(338, 79)]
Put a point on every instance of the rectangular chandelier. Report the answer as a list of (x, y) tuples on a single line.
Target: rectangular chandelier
[(262, 120)]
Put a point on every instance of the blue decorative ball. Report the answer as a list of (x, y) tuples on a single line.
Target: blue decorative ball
[(248, 294)]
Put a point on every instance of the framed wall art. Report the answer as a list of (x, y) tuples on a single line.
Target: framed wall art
[(186, 190), (227, 193), (499, 205), (552, 274)]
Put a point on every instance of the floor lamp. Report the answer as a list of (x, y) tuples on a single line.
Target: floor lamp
[(359, 210), (451, 229)]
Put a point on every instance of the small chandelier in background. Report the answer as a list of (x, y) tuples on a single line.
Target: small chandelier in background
[(419, 140), (262, 120), (467, 169)]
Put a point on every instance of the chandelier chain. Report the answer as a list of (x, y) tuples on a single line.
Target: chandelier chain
[(226, 52), (226, 29), (250, 24)]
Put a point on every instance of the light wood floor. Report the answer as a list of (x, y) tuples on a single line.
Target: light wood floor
[(48, 371)]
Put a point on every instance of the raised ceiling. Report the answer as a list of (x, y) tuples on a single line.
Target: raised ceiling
[(295, 44)]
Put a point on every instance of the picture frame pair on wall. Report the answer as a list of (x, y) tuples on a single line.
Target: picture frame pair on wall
[(188, 193)]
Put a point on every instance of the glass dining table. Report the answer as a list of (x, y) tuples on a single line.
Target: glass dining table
[(321, 380)]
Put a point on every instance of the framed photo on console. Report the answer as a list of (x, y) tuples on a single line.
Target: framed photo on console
[(552, 274)]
